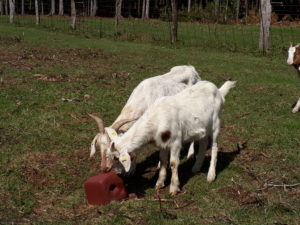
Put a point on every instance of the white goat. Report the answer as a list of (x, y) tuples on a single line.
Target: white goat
[(144, 95), (294, 60), (191, 115)]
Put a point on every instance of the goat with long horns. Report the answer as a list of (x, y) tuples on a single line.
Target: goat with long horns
[(143, 96)]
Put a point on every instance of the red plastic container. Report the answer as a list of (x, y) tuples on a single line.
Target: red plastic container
[(104, 188)]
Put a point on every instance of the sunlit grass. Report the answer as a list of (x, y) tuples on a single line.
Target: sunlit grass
[(44, 141)]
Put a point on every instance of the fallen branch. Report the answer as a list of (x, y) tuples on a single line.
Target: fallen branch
[(264, 155), (186, 205), (163, 212), (285, 186), (162, 200)]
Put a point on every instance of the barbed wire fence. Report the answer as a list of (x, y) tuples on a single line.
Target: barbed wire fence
[(234, 28)]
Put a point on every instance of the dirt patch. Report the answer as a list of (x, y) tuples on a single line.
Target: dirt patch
[(9, 40), (242, 196), (27, 59), (55, 78), (35, 176), (6, 139), (38, 166), (11, 59), (233, 139)]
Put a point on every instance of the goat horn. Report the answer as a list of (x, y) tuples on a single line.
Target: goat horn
[(116, 126), (291, 44), (99, 121)]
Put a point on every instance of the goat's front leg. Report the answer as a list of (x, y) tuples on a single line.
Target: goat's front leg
[(214, 153), (297, 107), (163, 163), (174, 163)]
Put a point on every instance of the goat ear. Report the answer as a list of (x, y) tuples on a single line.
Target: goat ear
[(125, 160), (111, 133)]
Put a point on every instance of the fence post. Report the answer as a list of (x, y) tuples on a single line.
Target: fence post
[(11, 10), (237, 11), (118, 14), (22, 7), (73, 14), (1, 7), (217, 10), (265, 22), (174, 24), (37, 15)]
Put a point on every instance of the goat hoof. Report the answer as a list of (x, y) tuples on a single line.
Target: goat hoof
[(173, 194), (159, 186), (174, 191), (211, 177)]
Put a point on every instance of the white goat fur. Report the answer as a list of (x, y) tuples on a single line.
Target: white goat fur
[(143, 96), (294, 60), (191, 115)]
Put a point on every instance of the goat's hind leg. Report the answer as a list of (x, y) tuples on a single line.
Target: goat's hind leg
[(174, 163), (191, 151), (297, 106), (214, 153), (163, 163), (201, 154)]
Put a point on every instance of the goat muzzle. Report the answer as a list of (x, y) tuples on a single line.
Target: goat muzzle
[(106, 169)]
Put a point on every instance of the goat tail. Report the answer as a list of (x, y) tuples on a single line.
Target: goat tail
[(226, 87), (93, 145)]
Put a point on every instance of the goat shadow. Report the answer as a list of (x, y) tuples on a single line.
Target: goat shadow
[(146, 171)]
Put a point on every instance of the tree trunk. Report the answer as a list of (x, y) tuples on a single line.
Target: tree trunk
[(217, 4), (265, 23), (1, 7), (42, 7), (6, 7), (37, 16), (94, 7), (117, 15), (226, 11), (139, 8), (189, 5), (11, 10), (91, 7), (52, 10), (147, 9), (174, 25), (73, 15), (119, 8), (237, 10), (143, 8), (22, 7), (61, 8), (246, 16)]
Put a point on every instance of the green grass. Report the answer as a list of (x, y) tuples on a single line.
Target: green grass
[(44, 142), (230, 37)]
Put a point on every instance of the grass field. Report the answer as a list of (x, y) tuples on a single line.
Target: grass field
[(44, 141), (229, 37)]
